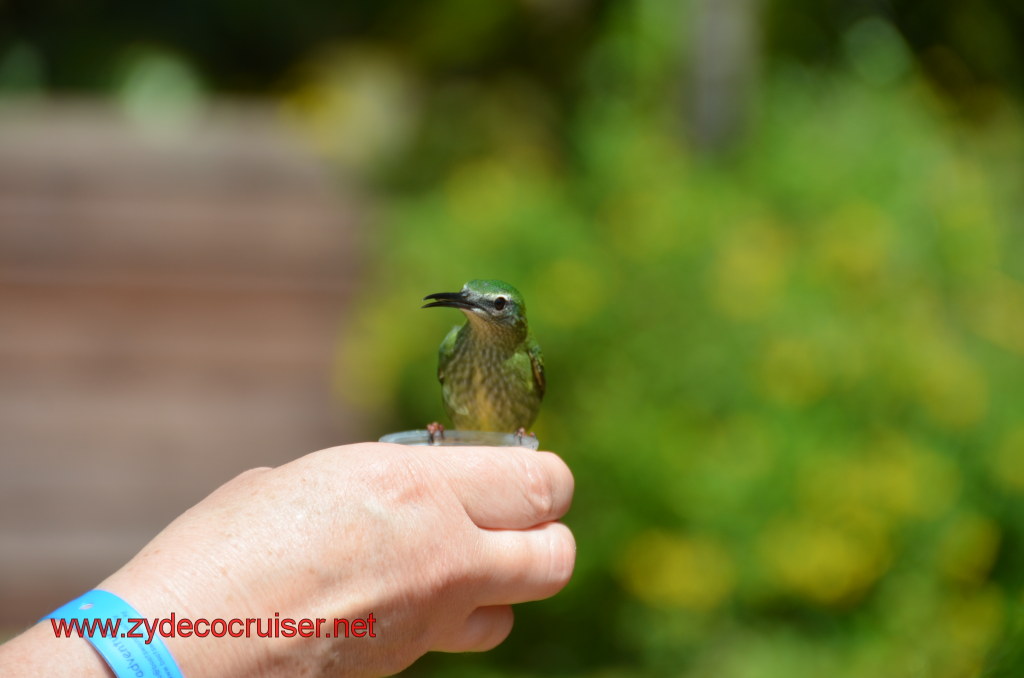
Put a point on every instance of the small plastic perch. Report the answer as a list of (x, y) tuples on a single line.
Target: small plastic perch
[(455, 437)]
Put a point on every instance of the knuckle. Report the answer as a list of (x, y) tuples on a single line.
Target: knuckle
[(539, 489), (562, 555), (246, 479), (251, 474)]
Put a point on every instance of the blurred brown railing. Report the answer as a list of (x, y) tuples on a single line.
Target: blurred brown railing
[(168, 312)]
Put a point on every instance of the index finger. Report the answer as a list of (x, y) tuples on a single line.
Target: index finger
[(509, 487)]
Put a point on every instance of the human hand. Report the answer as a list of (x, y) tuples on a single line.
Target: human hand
[(435, 542)]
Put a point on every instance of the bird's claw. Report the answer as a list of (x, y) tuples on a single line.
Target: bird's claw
[(435, 432), (521, 433)]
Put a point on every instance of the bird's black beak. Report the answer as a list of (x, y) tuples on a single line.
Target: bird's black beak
[(448, 300)]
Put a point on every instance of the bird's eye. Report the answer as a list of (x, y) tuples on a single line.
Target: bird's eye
[(499, 303)]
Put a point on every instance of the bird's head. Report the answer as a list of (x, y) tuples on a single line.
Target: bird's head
[(492, 301)]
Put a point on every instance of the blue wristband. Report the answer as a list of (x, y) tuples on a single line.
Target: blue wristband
[(130, 653)]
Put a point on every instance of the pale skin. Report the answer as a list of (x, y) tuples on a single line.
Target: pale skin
[(436, 543)]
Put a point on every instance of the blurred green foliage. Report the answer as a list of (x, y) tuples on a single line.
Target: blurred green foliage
[(788, 382), (239, 46)]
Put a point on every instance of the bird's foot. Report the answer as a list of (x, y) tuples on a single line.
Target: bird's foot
[(435, 431), (521, 433)]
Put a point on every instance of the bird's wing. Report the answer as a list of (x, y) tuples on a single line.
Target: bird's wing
[(537, 363), (445, 352)]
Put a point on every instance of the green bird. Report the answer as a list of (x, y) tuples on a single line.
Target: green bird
[(490, 369)]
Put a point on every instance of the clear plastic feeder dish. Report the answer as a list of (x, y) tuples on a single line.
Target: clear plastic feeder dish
[(462, 438)]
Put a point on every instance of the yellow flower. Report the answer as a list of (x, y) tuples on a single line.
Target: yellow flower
[(671, 570), (749, 272), (1007, 461), (969, 548), (791, 372), (822, 562)]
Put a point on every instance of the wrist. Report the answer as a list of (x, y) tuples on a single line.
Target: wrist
[(158, 599)]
